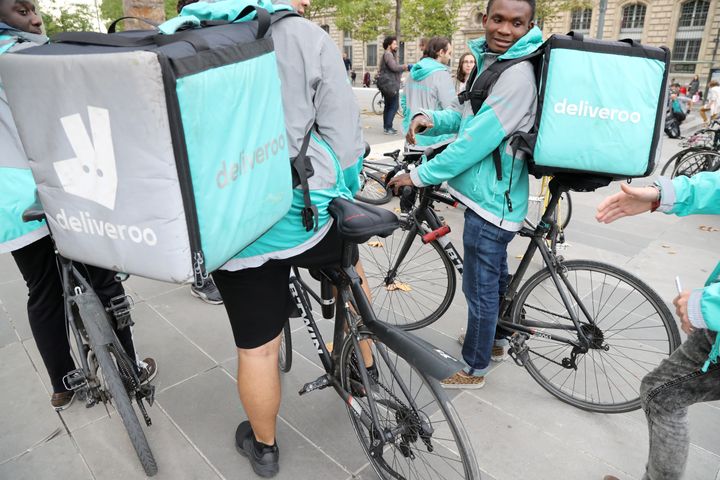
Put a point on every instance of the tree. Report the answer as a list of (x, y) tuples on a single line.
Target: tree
[(69, 18), (430, 17), (546, 10), (363, 19)]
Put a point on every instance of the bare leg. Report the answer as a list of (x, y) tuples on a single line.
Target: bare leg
[(258, 383)]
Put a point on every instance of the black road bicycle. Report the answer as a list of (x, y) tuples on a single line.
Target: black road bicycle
[(586, 331), (402, 417), (106, 373)]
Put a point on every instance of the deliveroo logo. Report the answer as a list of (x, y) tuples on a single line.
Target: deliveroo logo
[(92, 174)]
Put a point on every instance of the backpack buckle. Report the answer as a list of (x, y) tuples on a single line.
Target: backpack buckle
[(310, 218)]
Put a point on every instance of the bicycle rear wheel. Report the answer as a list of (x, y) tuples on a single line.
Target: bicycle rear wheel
[(378, 103), (373, 190), (285, 354), (423, 286), (116, 389), (426, 439), (630, 320), (696, 162)]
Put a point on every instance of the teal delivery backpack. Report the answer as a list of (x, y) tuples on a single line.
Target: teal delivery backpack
[(600, 107), (156, 154)]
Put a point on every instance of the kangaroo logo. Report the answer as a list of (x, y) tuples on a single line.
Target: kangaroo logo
[(92, 174)]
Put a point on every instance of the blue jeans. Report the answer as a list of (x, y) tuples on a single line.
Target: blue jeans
[(485, 279), (391, 107)]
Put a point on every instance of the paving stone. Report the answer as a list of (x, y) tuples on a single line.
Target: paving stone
[(58, 458)]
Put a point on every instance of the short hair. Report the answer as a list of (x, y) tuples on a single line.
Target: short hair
[(529, 2), (435, 45), (388, 40)]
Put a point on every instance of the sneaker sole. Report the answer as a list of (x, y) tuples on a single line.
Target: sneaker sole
[(204, 298), (499, 358), (67, 405), (464, 386), (265, 471)]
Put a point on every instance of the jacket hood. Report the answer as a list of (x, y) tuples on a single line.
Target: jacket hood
[(425, 67), (525, 45), (7, 30)]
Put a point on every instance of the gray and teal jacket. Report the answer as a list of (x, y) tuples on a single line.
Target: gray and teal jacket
[(316, 94), (429, 87), (699, 194), (17, 187), (467, 164)]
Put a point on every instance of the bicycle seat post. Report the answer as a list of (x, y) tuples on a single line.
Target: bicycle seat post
[(556, 191)]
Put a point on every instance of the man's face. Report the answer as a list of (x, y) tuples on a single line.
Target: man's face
[(505, 23), (21, 15), (394, 46), (300, 5)]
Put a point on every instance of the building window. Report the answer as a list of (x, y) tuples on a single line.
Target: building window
[(633, 21), (580, 20), (347, 45), (688, 38), (694, 14), (372, 56)]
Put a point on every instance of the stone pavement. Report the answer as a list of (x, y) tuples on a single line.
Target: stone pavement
[(519, 431)]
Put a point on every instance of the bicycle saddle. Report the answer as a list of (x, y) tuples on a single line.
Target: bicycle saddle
[(357, 223), (34, 212)]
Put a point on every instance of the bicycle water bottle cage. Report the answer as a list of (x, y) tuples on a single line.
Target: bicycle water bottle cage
[(119, 308)]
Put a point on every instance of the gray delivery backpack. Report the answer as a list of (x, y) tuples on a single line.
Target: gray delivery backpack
[(600, 108), (159, 155)]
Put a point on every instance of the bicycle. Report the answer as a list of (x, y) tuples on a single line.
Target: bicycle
[(378, 104), (399, 412), (563, 212), (571, 296), (106, 374), (701, 154), (373, 189)]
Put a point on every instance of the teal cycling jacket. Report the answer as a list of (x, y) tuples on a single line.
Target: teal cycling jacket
[(467, 164), (430, 87), (17, 187), (699, 194)]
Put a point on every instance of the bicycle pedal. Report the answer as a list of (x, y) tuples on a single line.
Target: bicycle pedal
[(319, 384), (518, 350), (75, 380), (120, 308)]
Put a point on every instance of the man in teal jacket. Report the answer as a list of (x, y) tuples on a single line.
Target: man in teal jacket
[(692, 373), (496, 208)]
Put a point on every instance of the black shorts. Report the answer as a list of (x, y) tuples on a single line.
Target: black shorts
[(257, 300)]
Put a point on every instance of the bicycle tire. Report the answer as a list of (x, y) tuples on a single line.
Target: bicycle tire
[(373, 190), (285, 353), (696, 162), (123, 405), (378, 103), (422, 404), (426, 271), (650, 314)]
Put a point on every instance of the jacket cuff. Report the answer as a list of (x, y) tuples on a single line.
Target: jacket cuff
[(694, 309), (415, 177), (667, 194)]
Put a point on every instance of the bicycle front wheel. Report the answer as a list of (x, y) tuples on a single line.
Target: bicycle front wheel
[(423, 433), (703, 161), (378, 103), (285, 353), (116, 389), (411, 291), (373, 190), (631, 331)]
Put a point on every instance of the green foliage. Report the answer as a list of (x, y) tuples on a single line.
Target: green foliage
[(364, 19), (66, 18), (429, 18), (111, 10)]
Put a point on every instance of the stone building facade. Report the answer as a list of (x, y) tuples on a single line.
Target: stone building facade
[(690, 28)]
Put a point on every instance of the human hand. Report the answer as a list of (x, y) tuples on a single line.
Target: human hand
[(419, 123), (681, 309), (399, 181), (630, 201)]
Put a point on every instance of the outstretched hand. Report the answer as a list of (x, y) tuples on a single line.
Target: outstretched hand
[(419, 123), (626, 203)]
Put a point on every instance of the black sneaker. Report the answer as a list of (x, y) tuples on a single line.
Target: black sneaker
[(208, 293), (263, 459), (391, 131)]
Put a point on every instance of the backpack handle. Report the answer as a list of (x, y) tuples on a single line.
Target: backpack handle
[(577, 36), (631, 41), (113, 26)]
